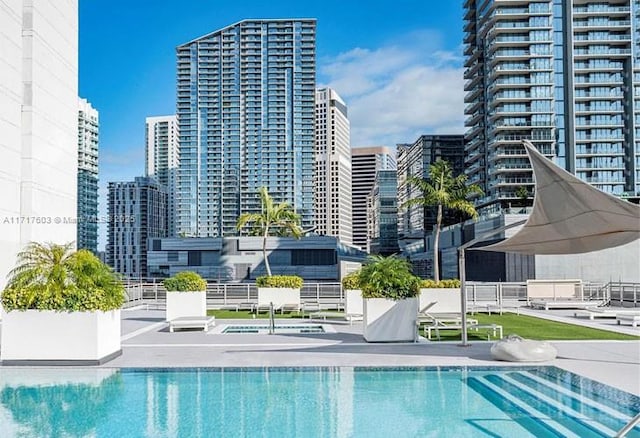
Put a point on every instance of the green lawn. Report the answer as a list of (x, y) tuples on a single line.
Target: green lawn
[(525, 326), (533, 328)]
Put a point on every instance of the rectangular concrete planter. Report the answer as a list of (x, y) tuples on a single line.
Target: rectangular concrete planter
[(64, 338), (390, 321), (181, 304), (353, 304), (447, 300), (278, 296)]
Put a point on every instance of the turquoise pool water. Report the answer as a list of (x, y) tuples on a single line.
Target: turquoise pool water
[(310, 402), (279, 329)]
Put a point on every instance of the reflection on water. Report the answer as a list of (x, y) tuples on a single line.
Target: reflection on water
[(56, 404), (282, 402)]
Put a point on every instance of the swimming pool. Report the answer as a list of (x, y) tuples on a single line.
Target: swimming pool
[(310, 402), (278, 329)]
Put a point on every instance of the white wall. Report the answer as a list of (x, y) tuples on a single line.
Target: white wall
[(38, 122), (614, 264)]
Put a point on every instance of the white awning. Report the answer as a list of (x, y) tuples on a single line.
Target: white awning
[(570, 216)]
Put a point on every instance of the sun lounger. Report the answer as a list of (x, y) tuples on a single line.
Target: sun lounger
[(194, 322), (605, 312), (564, 304), (471, 325), (324, 314), (293, 307), (633, 319)]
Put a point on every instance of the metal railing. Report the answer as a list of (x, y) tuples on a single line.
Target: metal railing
[(331, 295)]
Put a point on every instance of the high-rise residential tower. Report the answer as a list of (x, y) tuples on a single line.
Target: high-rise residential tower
[(413, 161), (332, 174), (161, 160), (365, 163), (563, 73), (137, 213), (88, 125), (246, 117), (382, 214), (38, 124)]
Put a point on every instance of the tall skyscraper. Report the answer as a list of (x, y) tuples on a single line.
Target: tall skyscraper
[(88, 125), (246, 116), (162, 160), (137, 212), (39, 124), (365, 163), (382, 214), (332, 200), (563, 73), (413, 161)]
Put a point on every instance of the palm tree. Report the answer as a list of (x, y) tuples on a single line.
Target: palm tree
[(45, 264), (443, 190), (278, 219)]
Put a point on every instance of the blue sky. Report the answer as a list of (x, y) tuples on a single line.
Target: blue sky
[(397, 65)]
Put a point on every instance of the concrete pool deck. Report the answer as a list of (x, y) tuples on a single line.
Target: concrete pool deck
[(147, 342)]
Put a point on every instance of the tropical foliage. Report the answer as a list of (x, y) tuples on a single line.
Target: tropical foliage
[(388, 277), (351, 281), (442, 190), (280, 281), (185, 281), (274, 220), (51, 276), (432, 284)]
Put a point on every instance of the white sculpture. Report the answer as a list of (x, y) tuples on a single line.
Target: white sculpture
[(513, 348)]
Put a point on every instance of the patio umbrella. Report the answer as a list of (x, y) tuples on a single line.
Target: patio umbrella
[(569, 215)]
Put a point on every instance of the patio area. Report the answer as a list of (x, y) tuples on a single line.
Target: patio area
[(147, 342)]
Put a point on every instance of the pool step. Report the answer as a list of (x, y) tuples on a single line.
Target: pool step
[(549, 409)]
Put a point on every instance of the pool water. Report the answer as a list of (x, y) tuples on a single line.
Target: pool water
[(279, 329), (310, 402)]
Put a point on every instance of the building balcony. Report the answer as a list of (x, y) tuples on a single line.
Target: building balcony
[(607, 11)]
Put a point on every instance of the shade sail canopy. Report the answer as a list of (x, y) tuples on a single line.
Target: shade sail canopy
[(570, 216)]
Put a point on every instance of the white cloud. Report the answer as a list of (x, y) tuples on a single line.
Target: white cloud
[(399, 91)]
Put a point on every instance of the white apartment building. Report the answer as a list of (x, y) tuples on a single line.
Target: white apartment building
[(38, 123), (332, 172), (162, 160)]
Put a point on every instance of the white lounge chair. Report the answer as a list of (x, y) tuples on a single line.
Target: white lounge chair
[(194, 322), (604, 312), (633, 319), (563, 304)]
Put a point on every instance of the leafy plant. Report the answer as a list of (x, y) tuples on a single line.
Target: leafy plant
[(432, 284), (443, 190), (388, 277), (351, 281), (185, 281), (278, 220), (51, 276), (282, 281)]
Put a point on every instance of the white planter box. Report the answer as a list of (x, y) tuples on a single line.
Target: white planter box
[(180, 304), (390, 321), (353, 303), (447, 300), (82, 338), (278, 296)]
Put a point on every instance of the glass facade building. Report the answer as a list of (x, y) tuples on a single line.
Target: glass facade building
[(413, 161), (246, 119), (383, 214), (562, 73), (87, 218)]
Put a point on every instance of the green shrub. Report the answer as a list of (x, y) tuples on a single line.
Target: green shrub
[(388, 277), (432, 284), (284, 281), (53, 277), (185, 281), (351, 281)]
